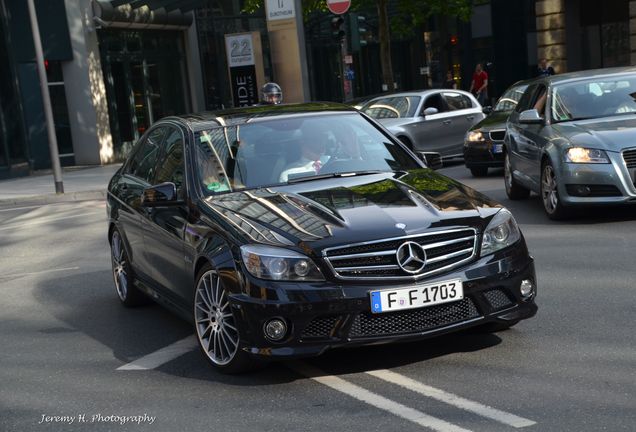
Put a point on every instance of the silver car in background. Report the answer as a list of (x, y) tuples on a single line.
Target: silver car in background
[(428, 120), (572, 139)]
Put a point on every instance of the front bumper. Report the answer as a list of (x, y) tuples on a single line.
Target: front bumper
[(609, 183), (481, 154), (328, 315)]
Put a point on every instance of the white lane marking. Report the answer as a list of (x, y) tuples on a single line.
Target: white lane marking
[(451, 399), (376, 400), (164, 355), (17, 275), (34, 223)]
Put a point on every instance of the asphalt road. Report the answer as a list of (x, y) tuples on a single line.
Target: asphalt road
[(70, 352)]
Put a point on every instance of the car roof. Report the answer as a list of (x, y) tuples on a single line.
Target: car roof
[(237, 116), (419, 93), (587, 74)]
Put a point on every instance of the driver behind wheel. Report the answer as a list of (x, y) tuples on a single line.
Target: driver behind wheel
[(312, 157)]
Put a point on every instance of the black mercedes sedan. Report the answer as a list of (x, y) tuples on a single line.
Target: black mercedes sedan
[(284, 231)]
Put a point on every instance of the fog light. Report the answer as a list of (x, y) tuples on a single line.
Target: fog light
[(275, 329), (526, 288)]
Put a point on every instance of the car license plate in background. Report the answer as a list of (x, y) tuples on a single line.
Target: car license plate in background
[(497, 148), (417, 297)]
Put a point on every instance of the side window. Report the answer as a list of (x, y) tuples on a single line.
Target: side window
[(143, 164), (457, 101), (171, 165), (539, 100), (525, 102), (434, 101)]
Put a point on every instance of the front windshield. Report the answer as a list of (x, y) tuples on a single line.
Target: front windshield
[(600, 97), (392, 107), (510, 99), (292, 149)]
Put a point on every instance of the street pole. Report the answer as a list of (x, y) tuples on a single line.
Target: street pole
[(46, 100)]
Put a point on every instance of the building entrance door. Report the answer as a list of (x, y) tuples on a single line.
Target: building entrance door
[(144, 82)]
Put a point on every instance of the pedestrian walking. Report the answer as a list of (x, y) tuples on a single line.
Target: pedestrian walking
[(479, 84)]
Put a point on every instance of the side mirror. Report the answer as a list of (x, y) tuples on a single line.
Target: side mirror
[(431, 159), (164, 194), (486, 110), (530, 116), (430, 111)]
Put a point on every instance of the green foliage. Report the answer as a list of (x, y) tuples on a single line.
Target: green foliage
[(410, 13)]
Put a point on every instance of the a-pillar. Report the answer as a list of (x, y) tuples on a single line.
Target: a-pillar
[(550, 16)]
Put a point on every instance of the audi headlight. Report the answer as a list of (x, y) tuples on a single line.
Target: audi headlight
[(474, 136), (502, 231), (274, 263), (585, 155)]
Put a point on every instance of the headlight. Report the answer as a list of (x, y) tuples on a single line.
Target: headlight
[(269, 262), (474, 136), (502, 231), (585, 155)]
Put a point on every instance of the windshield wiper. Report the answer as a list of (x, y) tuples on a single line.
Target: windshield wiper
[(333, 175)]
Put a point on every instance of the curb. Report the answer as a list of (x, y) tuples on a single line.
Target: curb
[(52, 199)]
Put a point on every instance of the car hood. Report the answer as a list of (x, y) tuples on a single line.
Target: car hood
[(612, 134), (316, 214), (495, 120)]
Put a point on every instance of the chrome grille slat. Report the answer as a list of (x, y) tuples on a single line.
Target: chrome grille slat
[(449, 256), (629, 156), (445, 243), (377, 260), (385, 267), (363, 255)]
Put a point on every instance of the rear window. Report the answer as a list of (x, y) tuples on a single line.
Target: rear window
[(392, 107)]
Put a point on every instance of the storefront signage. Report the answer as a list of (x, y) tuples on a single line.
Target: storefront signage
[(241, 63), (280, 10)]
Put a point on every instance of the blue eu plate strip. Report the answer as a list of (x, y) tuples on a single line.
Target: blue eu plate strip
[(376, 305)]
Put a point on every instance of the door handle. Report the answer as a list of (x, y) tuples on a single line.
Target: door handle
[(447, 122), (470, 117)]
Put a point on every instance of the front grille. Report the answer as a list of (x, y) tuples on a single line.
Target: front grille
[(629, 156), (412, 321), (497, 135), (445, 250), (498, 299), (592, 190), (320, 327)]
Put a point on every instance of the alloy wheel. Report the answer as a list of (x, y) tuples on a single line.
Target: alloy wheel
[(214, 322), (549, 189), (120, 266)]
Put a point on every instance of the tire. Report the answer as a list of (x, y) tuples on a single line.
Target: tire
[(215, 325), (479, 171), (513, 189), (550, 199), (123, 276)]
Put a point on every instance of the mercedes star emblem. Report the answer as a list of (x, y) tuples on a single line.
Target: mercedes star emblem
[(411, 257)]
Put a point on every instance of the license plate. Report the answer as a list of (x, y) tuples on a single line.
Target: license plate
[(417, 297), (497, 148)]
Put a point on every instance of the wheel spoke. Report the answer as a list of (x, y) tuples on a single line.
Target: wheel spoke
[(217, 297), (229, 337), (225, 346), (226, 324)]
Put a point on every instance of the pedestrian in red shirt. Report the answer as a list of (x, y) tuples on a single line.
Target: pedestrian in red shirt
[(479, 85)]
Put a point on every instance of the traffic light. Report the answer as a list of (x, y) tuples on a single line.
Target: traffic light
[(454, 40), (338, 28), (358, 25)]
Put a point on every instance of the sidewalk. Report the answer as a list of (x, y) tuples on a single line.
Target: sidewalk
[(80, 184)]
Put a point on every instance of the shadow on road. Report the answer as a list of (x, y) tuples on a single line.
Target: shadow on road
[(87, 303)]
